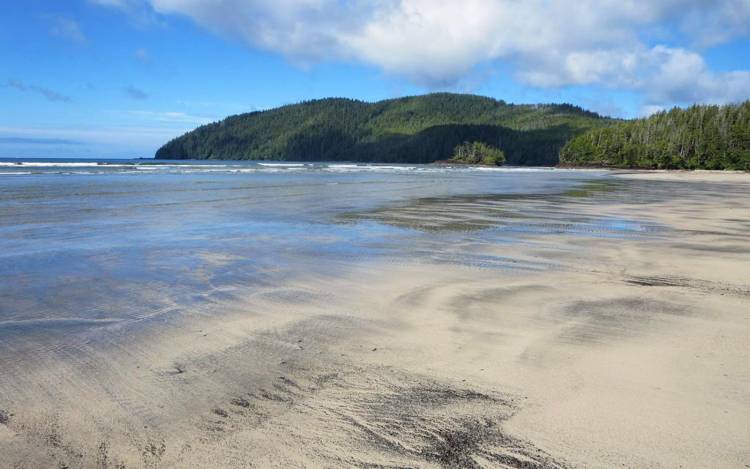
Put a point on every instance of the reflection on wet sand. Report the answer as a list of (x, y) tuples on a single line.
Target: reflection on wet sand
[(601, 325)]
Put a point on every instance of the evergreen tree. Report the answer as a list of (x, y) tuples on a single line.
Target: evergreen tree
[(700, 137), (419, 129)]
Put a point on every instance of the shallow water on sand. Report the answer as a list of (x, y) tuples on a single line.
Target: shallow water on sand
[(88, 243), (243, 314)]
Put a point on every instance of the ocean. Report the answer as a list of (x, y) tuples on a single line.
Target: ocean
[(86, 244)]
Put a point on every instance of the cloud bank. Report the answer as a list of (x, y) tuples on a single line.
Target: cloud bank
[(549, 43)]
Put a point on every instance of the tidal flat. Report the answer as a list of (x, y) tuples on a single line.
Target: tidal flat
[(241, 315)]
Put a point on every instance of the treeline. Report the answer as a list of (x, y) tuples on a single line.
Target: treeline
[(419, 129), (699, 137)]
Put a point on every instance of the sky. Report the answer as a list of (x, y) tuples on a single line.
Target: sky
[(118, 78)]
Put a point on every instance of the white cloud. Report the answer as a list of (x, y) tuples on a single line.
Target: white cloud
[(142, 56), (664, 75), (650, 109), (717, 21), (67, 29), (140, 11), (551, 43), (172, 117), (114, 3), (681, 76)]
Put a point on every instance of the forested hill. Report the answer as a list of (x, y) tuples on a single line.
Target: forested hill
[(419, 129), (700, 137)]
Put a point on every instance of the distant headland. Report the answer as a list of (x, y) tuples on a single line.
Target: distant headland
[(429, 128)]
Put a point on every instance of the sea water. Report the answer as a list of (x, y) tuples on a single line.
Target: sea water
[(86, 244)]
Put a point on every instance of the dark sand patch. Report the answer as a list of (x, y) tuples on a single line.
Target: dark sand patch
[(381, 418), (693, 284), (599, 321)]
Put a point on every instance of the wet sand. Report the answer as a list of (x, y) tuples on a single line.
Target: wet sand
[(568, 347)]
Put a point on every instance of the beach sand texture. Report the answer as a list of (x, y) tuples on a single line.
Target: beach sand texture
[(560, 349)]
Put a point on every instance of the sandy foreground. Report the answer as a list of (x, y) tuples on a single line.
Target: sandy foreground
[(583, 351)]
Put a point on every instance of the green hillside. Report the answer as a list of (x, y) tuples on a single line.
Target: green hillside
[(700, 137), (419, 129)]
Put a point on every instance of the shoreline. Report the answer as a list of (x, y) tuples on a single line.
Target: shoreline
[(697, 175), (605, 336)]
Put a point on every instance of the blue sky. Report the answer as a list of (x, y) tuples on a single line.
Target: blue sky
[(117, 78)]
